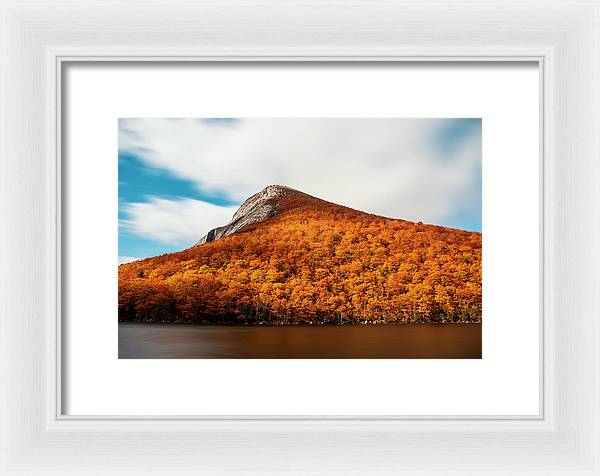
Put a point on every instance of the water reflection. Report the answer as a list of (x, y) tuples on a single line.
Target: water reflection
[(392, 341)]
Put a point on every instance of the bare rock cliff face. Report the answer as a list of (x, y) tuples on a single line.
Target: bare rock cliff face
[(259, 207)]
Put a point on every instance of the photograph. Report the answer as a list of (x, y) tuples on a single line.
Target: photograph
[(300, 238)]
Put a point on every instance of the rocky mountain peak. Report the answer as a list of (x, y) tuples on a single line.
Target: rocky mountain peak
[(270, 192), (257, 208)]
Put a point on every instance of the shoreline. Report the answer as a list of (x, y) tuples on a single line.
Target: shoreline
[(298, 324)]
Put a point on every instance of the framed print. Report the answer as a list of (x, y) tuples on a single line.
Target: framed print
[(352, 239), (277, 304)]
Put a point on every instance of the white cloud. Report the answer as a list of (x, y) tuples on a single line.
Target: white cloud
[(177, 222), (391, 167), (127, 259)]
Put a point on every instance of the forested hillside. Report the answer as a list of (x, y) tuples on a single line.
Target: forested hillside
[(311, 261)]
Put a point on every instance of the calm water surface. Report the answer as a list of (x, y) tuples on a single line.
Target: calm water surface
[(391, 341)]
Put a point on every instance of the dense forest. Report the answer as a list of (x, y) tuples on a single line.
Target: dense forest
[(312, 262)]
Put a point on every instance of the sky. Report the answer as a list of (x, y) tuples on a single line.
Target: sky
[(178, 178)]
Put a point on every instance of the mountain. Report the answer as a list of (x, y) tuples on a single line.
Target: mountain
[(288, 257)]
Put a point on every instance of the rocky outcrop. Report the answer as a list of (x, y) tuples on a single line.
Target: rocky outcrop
[(259, 207)]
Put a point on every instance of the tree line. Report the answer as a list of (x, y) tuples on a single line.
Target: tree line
[(324, 264)]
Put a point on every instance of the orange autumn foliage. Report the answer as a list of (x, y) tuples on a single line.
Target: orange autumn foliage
[(313, 262)]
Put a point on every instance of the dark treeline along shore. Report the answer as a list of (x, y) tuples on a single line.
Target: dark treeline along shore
[(290, 258), (244, 320)]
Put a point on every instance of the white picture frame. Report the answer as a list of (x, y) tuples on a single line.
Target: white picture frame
[(38, 38)]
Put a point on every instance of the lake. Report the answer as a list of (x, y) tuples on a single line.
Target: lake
[(384, 341)]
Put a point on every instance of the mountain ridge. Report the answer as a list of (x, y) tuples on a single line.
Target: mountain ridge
[(289, 257)]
